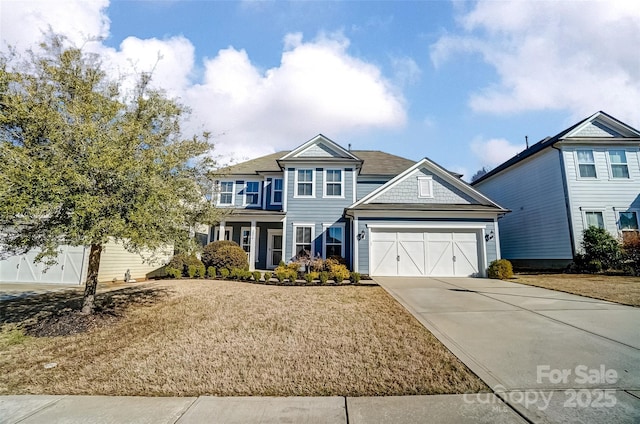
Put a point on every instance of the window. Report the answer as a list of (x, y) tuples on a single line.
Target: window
[(618, 163), (334, 241), (226, 193), (628, 221), (276, 191), (252, 193), (228, 233), (333, 183), (302, 241), (594, 219), (425, 187), (304, 181), (586, 164)]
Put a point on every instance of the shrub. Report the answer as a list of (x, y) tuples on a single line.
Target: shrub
[(316, 264), (229, 257), (211, 272), (600, 246), (192, 270), (308, 278), (182, 261), (174, 272), (324, 277), (211, 248), (631, 251), (355, 277), (224, 273), (256, 276), (500, 269), (267, 276), (340, 273), (281, 275), (287, 272), (200, 271)]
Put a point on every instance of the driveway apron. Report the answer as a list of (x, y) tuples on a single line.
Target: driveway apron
[(552, 356)]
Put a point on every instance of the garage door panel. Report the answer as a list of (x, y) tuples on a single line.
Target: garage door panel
[(383, 257), (424, 252)]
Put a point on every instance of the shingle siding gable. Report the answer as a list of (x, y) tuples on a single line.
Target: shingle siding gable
[(406, 191)]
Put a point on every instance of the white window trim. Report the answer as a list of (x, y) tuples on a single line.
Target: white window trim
[(610, 168), (253, 243), (429, 180), (577, 162), (313, 238), (325, 227), (313, 183), (325, 182), (244, 197), (216, 232), (273, 185), (233, 193), (584, 216), (618, 211)]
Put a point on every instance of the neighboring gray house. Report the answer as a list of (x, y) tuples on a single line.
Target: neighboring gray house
[(589, 174), (384, 214)]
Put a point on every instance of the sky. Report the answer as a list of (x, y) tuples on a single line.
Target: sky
[(460, 82)]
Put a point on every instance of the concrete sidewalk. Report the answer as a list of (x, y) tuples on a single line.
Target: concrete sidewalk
[(476, 408), (552, 356)]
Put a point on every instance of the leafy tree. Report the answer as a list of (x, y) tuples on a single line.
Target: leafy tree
[(480, 173), (81, 160)]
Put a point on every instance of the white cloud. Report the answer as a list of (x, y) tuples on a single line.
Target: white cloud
[(494, 151), (317, 87), (576, 56), (24, 21)]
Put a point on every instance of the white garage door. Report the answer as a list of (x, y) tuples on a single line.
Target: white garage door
[(416, 252), (24, 269)]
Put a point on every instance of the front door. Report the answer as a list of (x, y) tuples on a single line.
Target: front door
[(274, 248)]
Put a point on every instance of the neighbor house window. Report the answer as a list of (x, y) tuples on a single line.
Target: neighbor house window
[(276, 191), (226, 193), (425, 187), (334, 241), (628, 221), (302, 241), (586, 164), (304, 181), (594, 219), (618, 163), (252, 193), (333, 183)]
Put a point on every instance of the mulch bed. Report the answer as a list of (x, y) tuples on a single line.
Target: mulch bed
[(70, 322)]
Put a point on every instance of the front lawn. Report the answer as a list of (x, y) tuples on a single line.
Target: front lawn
[(188, 338), (619, 289)]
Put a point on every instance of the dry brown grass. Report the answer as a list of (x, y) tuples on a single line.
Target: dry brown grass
[(227, 338), (619, 289)]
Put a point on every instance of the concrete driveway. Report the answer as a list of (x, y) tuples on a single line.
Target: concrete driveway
[(552, 356)]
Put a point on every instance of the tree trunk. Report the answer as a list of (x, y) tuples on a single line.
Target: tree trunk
[(88, 302)]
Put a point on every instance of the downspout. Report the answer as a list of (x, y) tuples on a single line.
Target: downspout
[(567, 206)]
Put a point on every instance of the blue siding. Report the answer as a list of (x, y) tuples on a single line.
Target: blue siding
[(316, 211), (538, 226), (364, 187)]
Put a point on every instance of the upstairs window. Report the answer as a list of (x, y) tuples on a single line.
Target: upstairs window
[(594, 219), (628, 221), (276, 191), (618, 163), (333, 183), (586, 164), (226, 193), (252, 193), (304, 181)]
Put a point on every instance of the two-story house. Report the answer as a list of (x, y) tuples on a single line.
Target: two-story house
[(589, 174), (384, 214)]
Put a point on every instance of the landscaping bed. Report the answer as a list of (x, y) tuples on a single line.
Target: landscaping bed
[(211, 337), (613, 288)]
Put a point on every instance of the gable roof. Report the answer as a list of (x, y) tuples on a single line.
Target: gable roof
[(436, 169), (575, 131), (373, 163), (329, 149)]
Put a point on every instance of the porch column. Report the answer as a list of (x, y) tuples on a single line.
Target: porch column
[(221, 230), (252, 249)]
